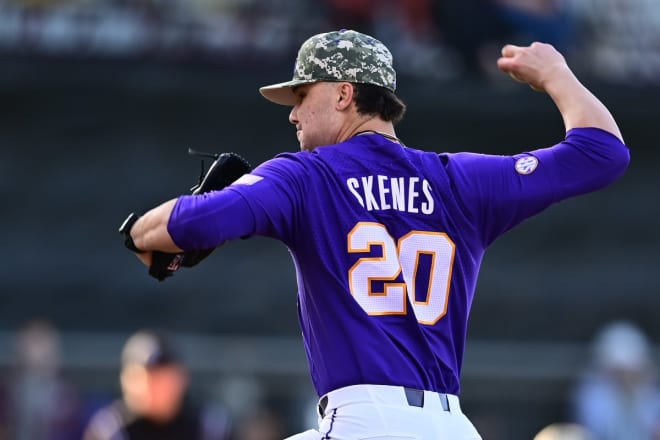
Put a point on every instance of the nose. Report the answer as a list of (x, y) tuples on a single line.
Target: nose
[(293, 116)]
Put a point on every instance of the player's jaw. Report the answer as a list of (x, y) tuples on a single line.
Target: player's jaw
[(305, 144), (299, 136), (313, 115), (312, 137)]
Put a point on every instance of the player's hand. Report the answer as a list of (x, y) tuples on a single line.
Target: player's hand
[(535, 65), (145, 257)]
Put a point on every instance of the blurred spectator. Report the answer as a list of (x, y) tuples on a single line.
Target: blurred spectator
[(472, 28), (40, 403), (417, 42), (536, 20), (154, 382), (619, 399), (351, 14), (478, 29), (563, 431), (620, 39)]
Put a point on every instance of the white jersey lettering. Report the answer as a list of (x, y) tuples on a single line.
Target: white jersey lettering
[(412, 195), (368, 183), (383, 193), (398, 193), (427, 206), (383, 190), (353, 185)]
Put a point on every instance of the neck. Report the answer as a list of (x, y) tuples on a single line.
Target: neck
[(375, 126)]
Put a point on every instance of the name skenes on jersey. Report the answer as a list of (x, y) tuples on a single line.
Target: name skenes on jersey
[(408, 194), (387, 242)]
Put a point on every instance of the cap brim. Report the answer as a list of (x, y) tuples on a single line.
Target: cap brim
[(282, 93)]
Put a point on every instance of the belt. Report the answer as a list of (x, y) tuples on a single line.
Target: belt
[(414, 397)]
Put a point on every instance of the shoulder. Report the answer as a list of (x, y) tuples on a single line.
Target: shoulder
[(109, 423), (288, 166), (285, 161)]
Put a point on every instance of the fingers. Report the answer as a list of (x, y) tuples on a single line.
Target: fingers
[(504, 64), (510, 50), (146, 258), (535, 64), (509, 53), (514, 56)]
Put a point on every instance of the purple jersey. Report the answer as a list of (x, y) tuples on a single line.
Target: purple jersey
[(387, 242)]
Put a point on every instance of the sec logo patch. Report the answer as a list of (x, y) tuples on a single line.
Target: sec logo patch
[(526, 165)]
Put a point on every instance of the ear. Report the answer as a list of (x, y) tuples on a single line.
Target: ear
[(345, 94)]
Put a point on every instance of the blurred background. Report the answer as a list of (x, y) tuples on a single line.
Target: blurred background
[(100, 100)]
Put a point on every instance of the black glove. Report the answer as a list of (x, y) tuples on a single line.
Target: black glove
[(226, 169)]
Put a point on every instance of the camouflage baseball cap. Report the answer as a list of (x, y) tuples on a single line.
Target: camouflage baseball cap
[(343, 55)]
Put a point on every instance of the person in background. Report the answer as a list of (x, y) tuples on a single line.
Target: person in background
[(563, 431), (39, 403), (618, 398), (154, 381)]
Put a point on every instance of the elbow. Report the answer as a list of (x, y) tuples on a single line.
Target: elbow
[(619, 160), (608, 152)]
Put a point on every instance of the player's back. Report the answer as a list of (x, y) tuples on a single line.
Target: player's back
[(388, 240), (385, 273)]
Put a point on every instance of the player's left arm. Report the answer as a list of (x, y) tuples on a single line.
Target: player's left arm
[(263, 204), (193, 222)]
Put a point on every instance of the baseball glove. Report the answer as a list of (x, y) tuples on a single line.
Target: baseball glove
[(225, 169)]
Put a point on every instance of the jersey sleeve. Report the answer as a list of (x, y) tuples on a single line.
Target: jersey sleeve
[(499, 192), (275, 195), (260, 203)]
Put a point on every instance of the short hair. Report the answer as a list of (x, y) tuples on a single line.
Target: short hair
[(375, 100)]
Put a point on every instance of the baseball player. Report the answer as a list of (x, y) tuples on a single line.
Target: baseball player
[(154, 382), (387, 240)]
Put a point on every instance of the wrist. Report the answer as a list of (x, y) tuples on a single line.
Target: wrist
[(560, 80), (125, 229)]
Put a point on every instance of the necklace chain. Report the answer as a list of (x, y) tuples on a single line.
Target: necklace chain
[(385, 135)]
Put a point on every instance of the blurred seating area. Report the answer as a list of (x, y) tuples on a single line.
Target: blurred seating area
[(614, 40), (172, 30)]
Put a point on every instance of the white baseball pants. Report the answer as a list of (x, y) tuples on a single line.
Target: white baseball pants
[(379, 412)]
